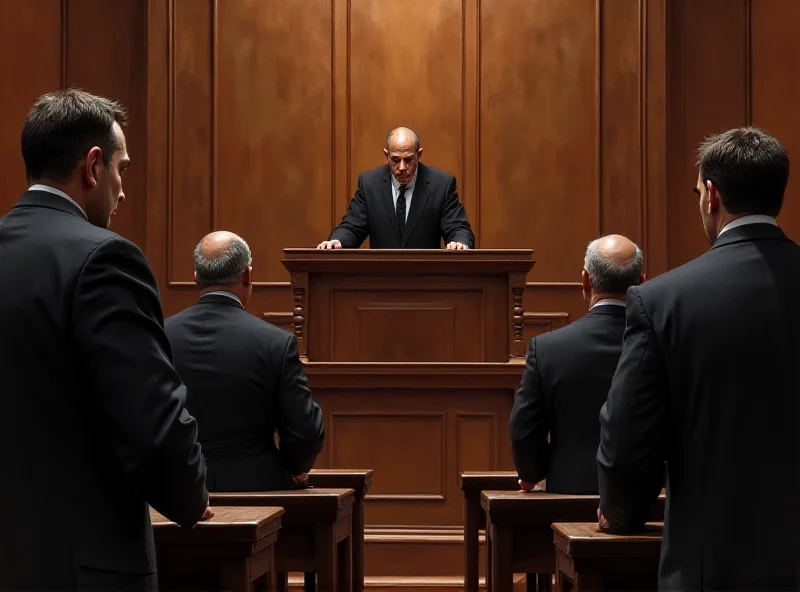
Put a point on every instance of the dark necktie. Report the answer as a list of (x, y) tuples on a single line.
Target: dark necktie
[(400, 209)]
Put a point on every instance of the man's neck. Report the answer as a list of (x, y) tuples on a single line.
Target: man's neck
[(605, 296), (228, 290)]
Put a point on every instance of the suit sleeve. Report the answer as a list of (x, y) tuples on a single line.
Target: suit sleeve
[(127, 363), (354, 227), (299, 421), (529, 424), (454, 224), (633, 424)]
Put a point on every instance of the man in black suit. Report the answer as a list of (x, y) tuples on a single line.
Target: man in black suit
[(93, 425), (245, 379), (708, 381), (567, 375), (403, 204)]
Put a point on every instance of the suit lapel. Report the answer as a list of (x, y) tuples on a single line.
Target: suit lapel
[(418, 200), (388, 202)]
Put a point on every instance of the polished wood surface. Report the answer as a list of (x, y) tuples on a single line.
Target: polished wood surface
[(589, 560), (316, 532), (519, 534), (231, 551), (472, 483), (360, 481)]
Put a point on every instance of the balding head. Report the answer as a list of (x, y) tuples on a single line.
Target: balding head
[(402, 154), (402, 138), (613, 264), (221, 259)]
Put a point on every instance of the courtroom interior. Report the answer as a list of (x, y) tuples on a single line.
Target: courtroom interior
[(355, 317)]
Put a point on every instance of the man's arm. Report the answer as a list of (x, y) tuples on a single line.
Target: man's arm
[(633, 426), (118, 327), (454, 224), (299, 421), (354, 227), (529, 424)]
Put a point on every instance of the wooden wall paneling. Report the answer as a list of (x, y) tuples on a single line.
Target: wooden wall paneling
[(707, 82), (31, 62), (406, 75), (621, 59), (538, 131), (105, 55), (775, 92)]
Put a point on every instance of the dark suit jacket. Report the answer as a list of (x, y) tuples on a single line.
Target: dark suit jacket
[(566, 380), (92, 425), (708, 381), (245, 381), (434, 214)]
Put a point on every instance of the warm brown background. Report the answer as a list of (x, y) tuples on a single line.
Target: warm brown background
[(562, 120)]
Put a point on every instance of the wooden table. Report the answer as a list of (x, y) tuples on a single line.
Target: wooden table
[(232, 551), (360, 481), (472, 483), (590, 560), (315, 532), (519, 535)]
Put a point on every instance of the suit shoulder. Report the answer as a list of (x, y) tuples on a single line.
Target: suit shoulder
[(373, 175), (264, 329), (569, 334), (438, 175)]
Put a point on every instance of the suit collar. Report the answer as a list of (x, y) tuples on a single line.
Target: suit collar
[(219, 297), (46, 199), (749, 232), (607, 311)]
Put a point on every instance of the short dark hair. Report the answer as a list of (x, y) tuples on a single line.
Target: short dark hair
[(749, 168), (226, 269), (62, 127), (612, 277)]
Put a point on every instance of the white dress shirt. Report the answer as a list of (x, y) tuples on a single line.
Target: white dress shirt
[(608, 302), (754, 219), (409, 191), (54, 191)]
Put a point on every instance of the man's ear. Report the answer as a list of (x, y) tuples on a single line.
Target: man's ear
[(91, 166), (386, 153), (643, 278), (247, 277), (419, 154), (194, 275), (713, 198), (586, 281)]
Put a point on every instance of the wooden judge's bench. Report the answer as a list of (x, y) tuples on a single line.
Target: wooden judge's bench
[(414, 356)]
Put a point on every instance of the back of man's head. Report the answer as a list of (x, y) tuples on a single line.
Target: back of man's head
[(62, 127), (613, 264), (749, 168), (222, 261)]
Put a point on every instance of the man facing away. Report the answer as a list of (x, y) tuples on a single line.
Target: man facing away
[(404, 204), (708, 381), (93, 425), (245, 378), (568, 373)]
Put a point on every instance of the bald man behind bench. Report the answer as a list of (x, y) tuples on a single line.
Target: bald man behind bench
[(245, 379), (568, 374)]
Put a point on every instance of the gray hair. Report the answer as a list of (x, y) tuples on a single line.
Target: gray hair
[(611, 276), (226, 269)]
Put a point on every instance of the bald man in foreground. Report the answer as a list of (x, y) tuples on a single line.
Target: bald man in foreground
[(244, 377), (568, 373), (404, 204)]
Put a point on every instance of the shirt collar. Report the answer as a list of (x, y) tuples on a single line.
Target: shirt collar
[(224, 293), (54, 191), (754, 219), (409, 185), (608, 302)]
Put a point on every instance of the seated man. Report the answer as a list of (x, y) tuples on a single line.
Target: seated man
[(403, 204), (567, 376), (244, 377)]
